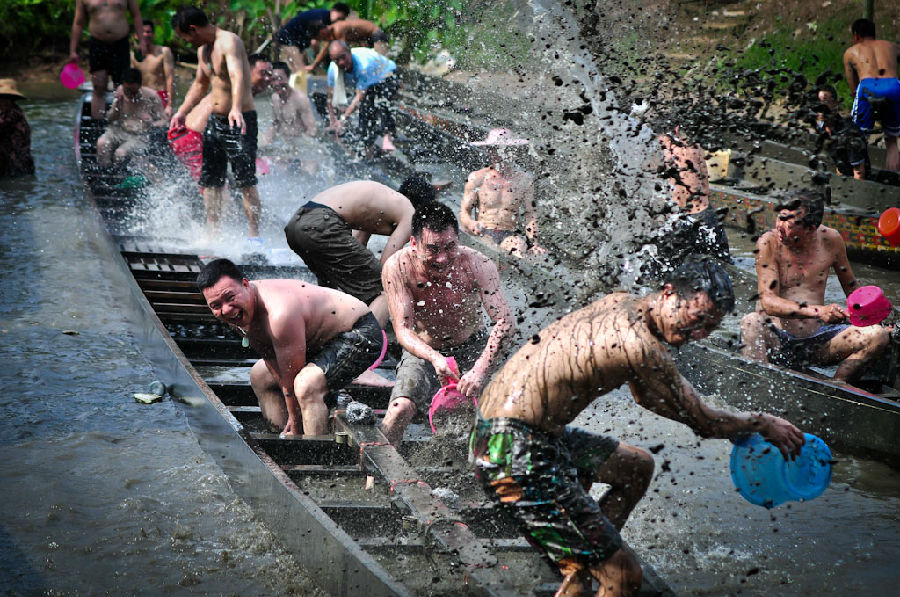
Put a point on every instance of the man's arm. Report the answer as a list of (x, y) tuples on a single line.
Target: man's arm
[(324, 36), (841, 263), (494, 303), (138, 24), (769, 288), (358, 97), (194, 95), (157, 113), (289, 342), (658, 386), (400, 306), (398, 238), (169, 72), (470, 202), (77, 29), (850, 72), (233, 50)]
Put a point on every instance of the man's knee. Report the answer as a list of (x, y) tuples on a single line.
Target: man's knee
[(402, 408), (875, 339), (619, 575), (310, 385)]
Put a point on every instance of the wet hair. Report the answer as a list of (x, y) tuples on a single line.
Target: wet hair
[(254, 58), (435, 216), (217, 269), (703, 274), (863, 27), (342, 8), (132, 75), (827, 89), (151, 23), (418, 189), (187, 17), (282, 66), (812, 202)]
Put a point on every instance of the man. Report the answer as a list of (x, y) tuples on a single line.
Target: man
[(321, 233), (871, 68), (157, 66), (350, 31), (371, 75), (260, 73), (15, 134), (437, 292), (793, 325), (312, 340), (231, 129), (292, 113), (845, 143), (700, 230), (499, 192), (299, 32), (135, 109), (539, 470), (108, 44)]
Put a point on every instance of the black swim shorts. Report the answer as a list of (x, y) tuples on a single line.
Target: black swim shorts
[(346, 356), (112, 56), (417, 380), (797, 353), (534, 477), (325, 243), (223, 144)]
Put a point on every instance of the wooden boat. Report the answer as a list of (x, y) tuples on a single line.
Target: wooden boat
[(397, 538)]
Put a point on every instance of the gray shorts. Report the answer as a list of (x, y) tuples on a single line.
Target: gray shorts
[(350, 353), (417, 380)]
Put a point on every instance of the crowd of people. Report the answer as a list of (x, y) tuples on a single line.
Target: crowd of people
[(444, 299)]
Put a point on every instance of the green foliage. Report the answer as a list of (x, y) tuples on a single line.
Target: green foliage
[(27, 25)]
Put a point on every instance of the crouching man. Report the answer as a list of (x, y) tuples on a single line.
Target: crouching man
[(312, 340)]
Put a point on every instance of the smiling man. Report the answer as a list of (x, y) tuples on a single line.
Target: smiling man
[(793, 326), (437, 292), (539, 470), (312, 340)]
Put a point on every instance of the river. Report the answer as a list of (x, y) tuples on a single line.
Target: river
[(101, 495)]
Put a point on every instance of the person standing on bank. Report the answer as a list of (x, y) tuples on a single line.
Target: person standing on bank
[(15, 134), (231, 130), (539, 470), (108, 46)]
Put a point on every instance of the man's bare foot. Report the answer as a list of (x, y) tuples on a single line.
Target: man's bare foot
[(370, 378)]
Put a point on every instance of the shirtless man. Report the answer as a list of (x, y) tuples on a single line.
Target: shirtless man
[(300, 32), (499, 192), (793, 325), (134, 110), (685, 167), (108, 44), (539, 470), (871, 68), (157, 66), (260, 73), (437, 293), (292, 113), (312, 340), (348, 30), (321, 233), (231, 129)]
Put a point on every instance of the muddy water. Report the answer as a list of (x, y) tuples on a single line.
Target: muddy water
[(100, 495)]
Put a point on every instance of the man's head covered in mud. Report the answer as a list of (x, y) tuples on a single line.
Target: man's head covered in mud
[(694, 298), (799, 216)]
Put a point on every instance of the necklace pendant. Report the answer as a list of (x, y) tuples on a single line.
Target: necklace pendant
[(245, 342)]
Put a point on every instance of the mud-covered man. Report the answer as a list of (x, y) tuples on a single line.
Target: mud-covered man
[(499, 193), (231, 129), (330, 233), (438, 292), (793, 325), (292, 113), (135, 109), (312, 340), (108, 45), (539, 470)]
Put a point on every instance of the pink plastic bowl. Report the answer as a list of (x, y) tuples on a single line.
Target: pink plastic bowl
[(71, 76), (868, 306)]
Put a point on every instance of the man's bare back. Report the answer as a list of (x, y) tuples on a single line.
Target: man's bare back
[(372, 208), (870, 59), (447, 308)]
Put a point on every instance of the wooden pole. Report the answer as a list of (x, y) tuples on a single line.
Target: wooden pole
[(870, 10)]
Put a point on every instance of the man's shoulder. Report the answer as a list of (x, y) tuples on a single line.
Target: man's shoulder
[(831, 236)]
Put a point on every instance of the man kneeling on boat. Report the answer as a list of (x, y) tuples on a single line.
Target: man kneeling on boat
[(539, 470), (135, 109), (792, 325), (312, 340)]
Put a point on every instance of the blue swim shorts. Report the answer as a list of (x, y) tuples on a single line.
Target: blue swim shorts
[(886, 90)]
